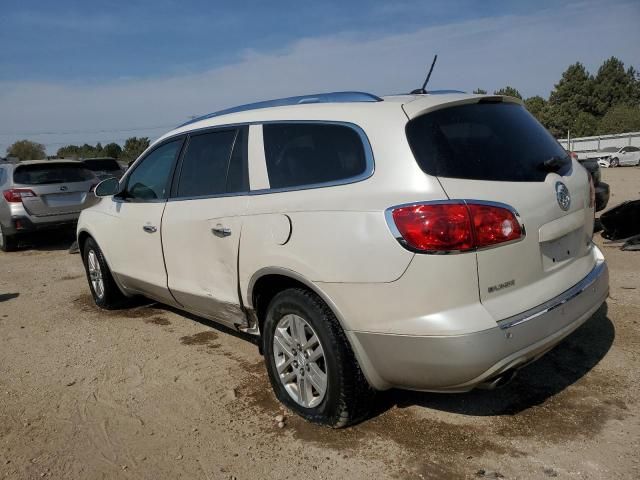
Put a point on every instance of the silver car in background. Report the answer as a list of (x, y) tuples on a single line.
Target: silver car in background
[(42, 194)]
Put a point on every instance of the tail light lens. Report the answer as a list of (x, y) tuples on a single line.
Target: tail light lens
[(15, 195), (459, 226), (435, 227)]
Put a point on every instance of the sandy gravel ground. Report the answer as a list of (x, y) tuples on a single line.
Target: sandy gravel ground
[(152, 393)]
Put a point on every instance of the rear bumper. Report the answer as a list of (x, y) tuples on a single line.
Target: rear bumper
[(459, 363), (27, 224)]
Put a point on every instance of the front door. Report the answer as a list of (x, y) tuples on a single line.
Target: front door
[(133, 244), (202, 225)]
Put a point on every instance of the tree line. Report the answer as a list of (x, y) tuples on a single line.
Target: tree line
[(580, 103), (133, 147), (585, 104)]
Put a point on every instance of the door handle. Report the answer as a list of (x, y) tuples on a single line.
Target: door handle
[(150, 229), (220, 231)]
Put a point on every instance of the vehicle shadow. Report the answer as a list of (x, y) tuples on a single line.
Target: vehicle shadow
[(47, 241), (8, 296), (567, 363)]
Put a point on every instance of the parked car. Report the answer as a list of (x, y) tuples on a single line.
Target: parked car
[(42, 194), (104, 167), (617, 157), (432, 242), (602, 190)]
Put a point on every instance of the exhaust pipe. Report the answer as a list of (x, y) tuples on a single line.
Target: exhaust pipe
[(499, 380)]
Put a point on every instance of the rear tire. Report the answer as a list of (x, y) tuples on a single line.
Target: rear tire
[(7, 242), (321, 380), (103, 287)]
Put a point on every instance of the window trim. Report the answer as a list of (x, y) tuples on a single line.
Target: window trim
[(368, 156), (125, 178)]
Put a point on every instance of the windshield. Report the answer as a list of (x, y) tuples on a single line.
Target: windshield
[(485, 141), (43, 174), (102, 165)]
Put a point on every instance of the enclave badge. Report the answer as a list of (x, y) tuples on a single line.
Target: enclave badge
[(563, 196)]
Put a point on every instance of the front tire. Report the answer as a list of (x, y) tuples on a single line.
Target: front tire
[(615, 163), (7, 242), (311, 366), (104, 290)]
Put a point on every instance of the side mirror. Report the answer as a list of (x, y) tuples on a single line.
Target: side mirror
[(107, 187)]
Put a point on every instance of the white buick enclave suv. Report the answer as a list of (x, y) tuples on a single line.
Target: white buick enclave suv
[(433, 242)]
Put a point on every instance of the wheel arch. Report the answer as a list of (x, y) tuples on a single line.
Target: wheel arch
[(271, 280)]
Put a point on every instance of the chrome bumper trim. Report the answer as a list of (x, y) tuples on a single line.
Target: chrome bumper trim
[(558, 301)]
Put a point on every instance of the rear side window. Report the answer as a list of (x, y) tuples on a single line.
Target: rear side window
[(205, 164), (299, 154), (484, 141), (44, 174)]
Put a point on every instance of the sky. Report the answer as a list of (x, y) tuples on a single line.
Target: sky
[(74, 71)]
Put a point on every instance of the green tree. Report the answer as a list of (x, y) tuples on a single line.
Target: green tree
[(613, 85), (479, 91), (508, 91), (570, 96), (133, 147), (27, 150), (584, 125), (112, 150), (619, 119), (538, 108), (69, 151)]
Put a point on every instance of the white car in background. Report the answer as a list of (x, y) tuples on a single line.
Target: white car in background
[(618, 157)]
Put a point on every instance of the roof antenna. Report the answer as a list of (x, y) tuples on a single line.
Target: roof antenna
[(422, 90)]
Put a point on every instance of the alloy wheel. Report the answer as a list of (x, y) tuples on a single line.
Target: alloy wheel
[(95, 274), (300, 361)]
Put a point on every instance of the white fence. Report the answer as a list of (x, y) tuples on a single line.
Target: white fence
[(584, 145)]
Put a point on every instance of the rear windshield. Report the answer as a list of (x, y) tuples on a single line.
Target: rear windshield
[(43, 174), (485, 141), (102, 165)]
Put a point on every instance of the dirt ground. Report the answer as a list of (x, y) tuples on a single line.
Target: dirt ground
[(153, 393)]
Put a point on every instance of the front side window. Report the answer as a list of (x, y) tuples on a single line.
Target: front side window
[(206, 163), (150, 179), (299, 154)]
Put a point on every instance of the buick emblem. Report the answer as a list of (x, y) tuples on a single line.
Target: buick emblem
[(563, 196), (63, 188)]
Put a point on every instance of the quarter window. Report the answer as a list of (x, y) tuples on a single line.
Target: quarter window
[(206, 163), (299, 154), (151, 178)]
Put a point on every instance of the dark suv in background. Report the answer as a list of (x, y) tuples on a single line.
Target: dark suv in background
[(105, 167), (601, 188)]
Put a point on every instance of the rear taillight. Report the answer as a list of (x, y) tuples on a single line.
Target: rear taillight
[(15, 195), (455, 226)]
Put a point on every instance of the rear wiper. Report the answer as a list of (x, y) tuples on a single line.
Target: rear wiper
[(553, 164)]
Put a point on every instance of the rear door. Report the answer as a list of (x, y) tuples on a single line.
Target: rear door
[(496, 152), (202, 224), (59, 188)]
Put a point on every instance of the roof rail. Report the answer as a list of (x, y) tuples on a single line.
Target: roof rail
[(333, 97)]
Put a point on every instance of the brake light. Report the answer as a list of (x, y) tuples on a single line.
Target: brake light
[(15, 195), (455, 226)]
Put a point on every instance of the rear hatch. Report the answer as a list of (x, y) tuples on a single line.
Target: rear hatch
[(496, 151), (58, 188)]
